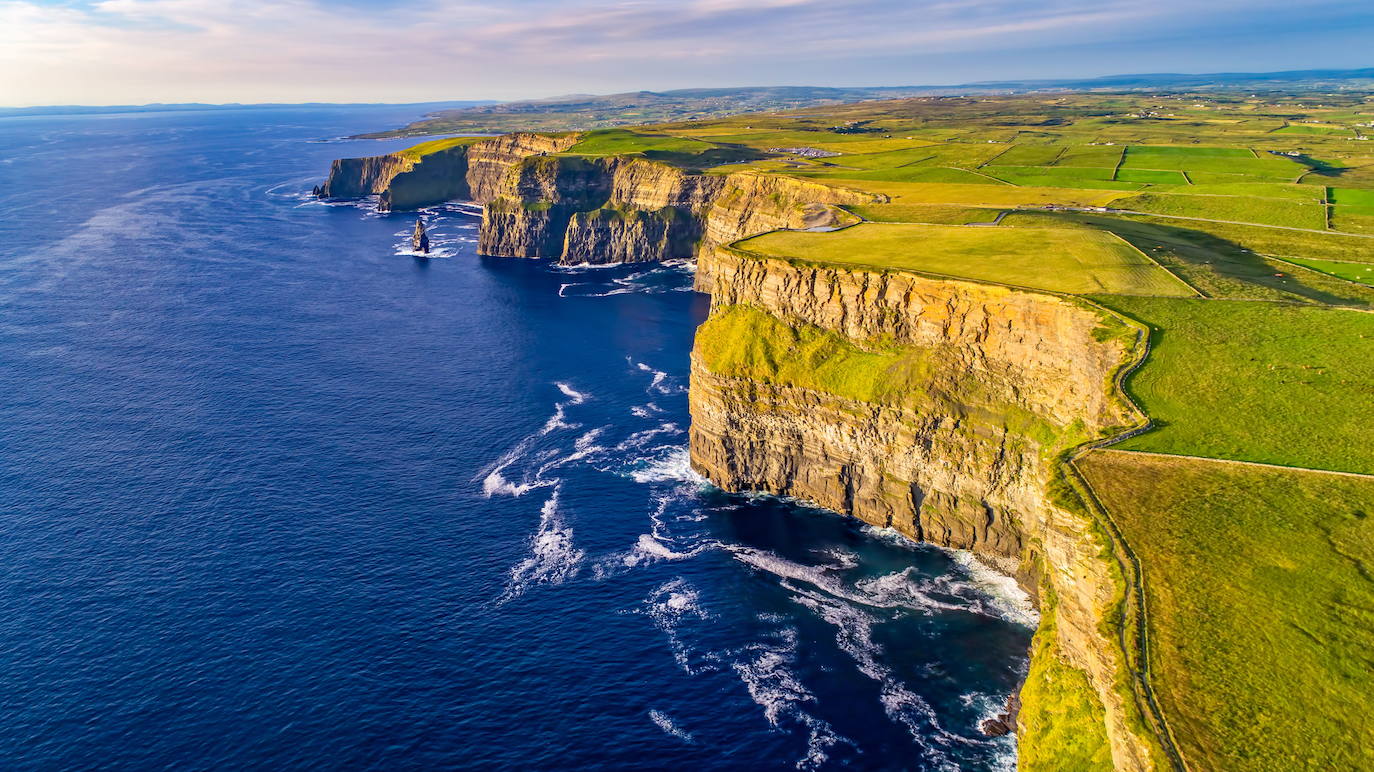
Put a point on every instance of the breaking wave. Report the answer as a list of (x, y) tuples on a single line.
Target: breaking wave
[(664, 722), (553, 557)]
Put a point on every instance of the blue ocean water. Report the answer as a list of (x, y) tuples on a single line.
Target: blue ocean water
[(275, 494)]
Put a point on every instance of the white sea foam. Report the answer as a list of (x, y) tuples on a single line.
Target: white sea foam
[(553, 558), (664, 722), (1008, 600), (842, 558), (576, 396), (583, 447), (906, 589), (854, 636), (989, 706), (987, 591), (669, 464), (646, 410), (639, 438), (767, 675), (670, 605), (494, 483), (661, 383)]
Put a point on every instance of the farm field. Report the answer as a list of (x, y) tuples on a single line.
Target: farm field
[(936, 214), (1359, 272), (1259, 604), (1256, 381), (1055, 259), (1247, 209)]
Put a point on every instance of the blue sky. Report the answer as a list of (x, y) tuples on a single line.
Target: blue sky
[(136, 51)]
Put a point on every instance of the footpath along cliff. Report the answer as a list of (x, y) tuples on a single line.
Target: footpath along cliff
[(936, 407)]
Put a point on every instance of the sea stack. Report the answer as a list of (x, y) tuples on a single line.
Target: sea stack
[(419, 240)]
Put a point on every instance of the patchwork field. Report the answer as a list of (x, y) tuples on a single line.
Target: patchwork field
[(1055, 259), (1261, 606), (1256, 381)]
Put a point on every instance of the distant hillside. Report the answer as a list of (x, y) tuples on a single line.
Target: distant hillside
[(587, 111), (591, 111)]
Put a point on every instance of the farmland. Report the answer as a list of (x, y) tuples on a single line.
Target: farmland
[(1236, 230), (1056, 259), (1259, 597)]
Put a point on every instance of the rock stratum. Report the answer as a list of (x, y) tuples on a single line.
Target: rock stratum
[(585, 209), (1002, 382), (959, 442)]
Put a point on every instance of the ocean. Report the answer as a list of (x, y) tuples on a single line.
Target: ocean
[(277, 494)]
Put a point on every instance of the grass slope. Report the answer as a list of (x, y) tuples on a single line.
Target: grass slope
[(1056, 259), (1256, 381), (1063, 724), (1260, 586)]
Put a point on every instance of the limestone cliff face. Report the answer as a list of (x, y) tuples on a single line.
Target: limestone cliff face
[(581, 209), (1015, 377), (620, 209), (358, 177), (470, 172)]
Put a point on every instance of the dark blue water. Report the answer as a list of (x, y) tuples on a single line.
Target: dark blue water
[(275, 495)]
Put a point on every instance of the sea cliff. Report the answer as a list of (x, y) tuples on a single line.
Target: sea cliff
[(940, 408), (539, 202), (946, 421)]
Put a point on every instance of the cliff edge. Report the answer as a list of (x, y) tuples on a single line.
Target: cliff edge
[(936, 407)]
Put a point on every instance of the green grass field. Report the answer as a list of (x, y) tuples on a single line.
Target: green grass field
[(1091, 157), (1151, 176), (1028, 155), (1309, 129), (1261, 602), (1256, 381), (936, 174), (1352, 197), (1056, 259), (994, 194), (416, 152), (1360, 272), (1246, 209), (935, 214), (623, 141)]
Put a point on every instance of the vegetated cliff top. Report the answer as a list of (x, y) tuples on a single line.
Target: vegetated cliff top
[(1239, 227)]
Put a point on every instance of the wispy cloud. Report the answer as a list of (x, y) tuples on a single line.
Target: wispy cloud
[(290, 50)]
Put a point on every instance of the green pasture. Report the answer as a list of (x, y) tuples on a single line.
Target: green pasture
[(1256, 381), (625, 142), (1246, 209), (1028, 155), (416, 152), (1056, 259), (1152, 176), (1091, 157), (1261, 605), (935, 214), (1360, 272)]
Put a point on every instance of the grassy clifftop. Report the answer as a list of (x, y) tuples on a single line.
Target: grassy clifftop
[(1242, 245)]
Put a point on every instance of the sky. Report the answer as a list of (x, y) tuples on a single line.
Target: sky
[(141, 51)]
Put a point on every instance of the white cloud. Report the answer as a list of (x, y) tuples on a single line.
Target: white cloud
[(293, 50)]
